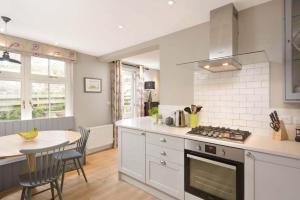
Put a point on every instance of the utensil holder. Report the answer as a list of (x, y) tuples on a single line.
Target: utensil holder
[(193, 120), (281, 134)]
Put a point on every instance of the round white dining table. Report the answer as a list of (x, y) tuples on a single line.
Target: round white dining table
[(11, 145)]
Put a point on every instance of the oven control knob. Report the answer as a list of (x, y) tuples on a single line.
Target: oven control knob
[(199, 148), (224, 152)]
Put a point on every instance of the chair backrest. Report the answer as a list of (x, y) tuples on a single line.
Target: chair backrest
[(81, 144), (44, 164)]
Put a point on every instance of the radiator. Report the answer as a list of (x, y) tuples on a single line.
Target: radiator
[(101, 137)]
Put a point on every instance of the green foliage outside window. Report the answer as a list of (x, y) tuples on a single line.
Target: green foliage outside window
[(13, 114), (38, 111)]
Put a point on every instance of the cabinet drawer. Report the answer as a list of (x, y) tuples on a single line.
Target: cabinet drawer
[(165, 154), (165, 141), (165, 176)]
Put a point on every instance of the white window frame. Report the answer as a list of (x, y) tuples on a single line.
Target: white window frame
[(26, 79)]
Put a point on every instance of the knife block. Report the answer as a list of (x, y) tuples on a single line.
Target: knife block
[(281, 134)]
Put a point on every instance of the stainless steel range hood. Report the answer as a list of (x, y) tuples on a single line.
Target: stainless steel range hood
[(223, 53)]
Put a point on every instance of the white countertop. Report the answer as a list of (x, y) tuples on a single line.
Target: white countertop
[(264, 144)]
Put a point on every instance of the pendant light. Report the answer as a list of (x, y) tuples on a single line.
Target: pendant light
[(5, 57)]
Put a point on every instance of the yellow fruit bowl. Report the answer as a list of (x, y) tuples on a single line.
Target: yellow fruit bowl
[(28, 136)]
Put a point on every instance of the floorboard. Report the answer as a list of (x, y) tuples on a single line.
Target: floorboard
[(102, 173)]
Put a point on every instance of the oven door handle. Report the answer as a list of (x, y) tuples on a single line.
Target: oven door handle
[(211, 162)]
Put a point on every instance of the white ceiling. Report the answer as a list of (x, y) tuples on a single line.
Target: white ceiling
[(91, 26), (149, 59)]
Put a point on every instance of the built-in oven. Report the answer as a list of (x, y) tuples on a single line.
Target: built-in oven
[(213, 172)]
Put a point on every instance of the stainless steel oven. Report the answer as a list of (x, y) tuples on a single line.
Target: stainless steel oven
[(213, 172)]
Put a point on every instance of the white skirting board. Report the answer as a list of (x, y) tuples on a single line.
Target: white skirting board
[(101, 137), (158, 194)]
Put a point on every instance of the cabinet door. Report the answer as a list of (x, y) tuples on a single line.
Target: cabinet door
[(132, 155), (166, 176), (292, 50), (271, 177)]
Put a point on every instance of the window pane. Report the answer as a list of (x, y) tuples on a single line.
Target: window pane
[(39, 66), (127, 99), (57, 100), (10, 100), (40, 100), (57, 68), (8, 66)]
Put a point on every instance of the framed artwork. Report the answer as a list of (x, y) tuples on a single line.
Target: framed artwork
[(92, 85)]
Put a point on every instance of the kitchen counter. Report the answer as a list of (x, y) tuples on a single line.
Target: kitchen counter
[(263, 144)]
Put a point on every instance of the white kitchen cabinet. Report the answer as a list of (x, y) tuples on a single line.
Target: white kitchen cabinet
[(166, 176), (132, 153), (271, 177)]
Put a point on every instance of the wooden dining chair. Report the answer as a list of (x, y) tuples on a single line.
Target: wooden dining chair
[(44, 167), (75, 154)]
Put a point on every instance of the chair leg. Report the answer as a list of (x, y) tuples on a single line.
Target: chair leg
[(29, 194), (63, 176), (52, 190), (75, 164), (82, 170), (58, 190), (23, 193)]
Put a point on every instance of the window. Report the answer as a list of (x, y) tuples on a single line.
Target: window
[(47, 67), (48, 87), (38, 88), (128, 93), (48, 100), (10, 100)]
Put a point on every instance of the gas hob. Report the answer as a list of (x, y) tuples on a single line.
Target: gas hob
[(234, 135)]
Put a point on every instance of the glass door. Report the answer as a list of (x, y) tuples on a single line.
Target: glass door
[(128, 93), (213, 178)]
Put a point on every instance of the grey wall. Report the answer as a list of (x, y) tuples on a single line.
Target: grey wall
[(260, 27), (91, 109)]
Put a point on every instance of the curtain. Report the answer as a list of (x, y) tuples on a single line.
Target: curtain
[(139, 92), (116, 96)]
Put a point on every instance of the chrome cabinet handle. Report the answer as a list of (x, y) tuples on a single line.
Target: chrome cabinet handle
[(250, 155), (163, 163), (163, 153), (163, 140), (143, 133)]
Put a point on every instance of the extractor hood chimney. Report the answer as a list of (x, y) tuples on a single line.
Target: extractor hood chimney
[(223, 39), (223, 52)]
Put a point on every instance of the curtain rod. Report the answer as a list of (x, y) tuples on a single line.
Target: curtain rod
[(133, 65)]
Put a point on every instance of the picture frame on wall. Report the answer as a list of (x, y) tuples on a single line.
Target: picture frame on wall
[(92, 85)]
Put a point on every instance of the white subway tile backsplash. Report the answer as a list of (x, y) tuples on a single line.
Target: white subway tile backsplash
[(239, 98)]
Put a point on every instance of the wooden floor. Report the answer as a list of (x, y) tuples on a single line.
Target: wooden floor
[(101, 170)]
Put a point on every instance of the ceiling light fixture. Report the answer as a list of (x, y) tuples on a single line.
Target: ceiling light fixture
[(225, 64), (171, 2), (120, 26), (5, 57), (206, 66)]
